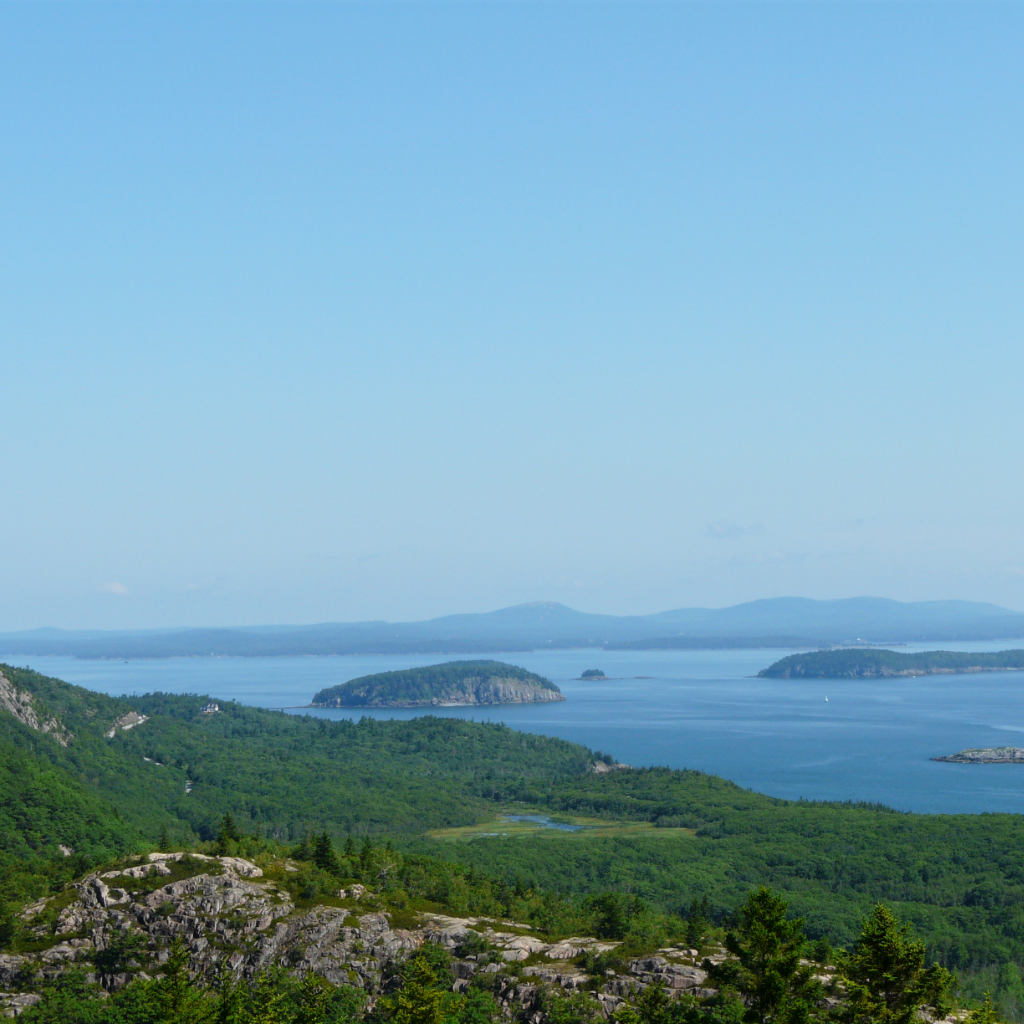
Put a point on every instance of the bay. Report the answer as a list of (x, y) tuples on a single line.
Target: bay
[(871, 741)]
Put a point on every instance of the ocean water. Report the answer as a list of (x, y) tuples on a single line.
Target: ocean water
[(871, 740)]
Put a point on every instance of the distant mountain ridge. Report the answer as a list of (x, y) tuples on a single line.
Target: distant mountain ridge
[(773, 622)]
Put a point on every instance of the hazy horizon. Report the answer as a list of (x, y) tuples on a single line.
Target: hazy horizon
[(162, 627), (337, 313)]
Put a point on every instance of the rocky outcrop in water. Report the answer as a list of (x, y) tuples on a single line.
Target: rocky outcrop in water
[(986, 755)]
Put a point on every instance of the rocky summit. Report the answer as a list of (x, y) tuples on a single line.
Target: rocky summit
[(229, 915)]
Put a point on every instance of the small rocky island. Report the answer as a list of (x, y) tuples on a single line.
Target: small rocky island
[(593, 673), (987, 755), (451, 684), (872, 663)]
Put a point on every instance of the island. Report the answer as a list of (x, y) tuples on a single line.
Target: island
[(987, 755), (452, 684), (868, 663), (593, 673)]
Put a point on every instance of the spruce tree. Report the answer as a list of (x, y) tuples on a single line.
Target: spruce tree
[(886, 974), (316, 994), (985, 1014), (366, 858), (227, 836), (323, 853), (421, 1000), (767, 972)]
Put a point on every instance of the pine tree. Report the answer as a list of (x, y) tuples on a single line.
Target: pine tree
[(165, 840)]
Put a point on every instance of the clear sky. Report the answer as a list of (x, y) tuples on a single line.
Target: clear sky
[(341, 312)]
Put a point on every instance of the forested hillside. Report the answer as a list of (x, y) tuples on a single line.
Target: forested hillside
[(960, 879)]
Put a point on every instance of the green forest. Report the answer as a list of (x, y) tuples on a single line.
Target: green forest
[(864, 663), (957, 879)]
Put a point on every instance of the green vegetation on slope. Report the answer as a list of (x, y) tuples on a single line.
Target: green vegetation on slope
[(958, 878), (884, 978), (431, 682), (280, 774), (861, 663)]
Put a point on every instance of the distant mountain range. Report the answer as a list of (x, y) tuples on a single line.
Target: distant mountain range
[(776, 622)]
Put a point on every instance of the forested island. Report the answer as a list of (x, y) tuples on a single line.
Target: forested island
[(593, 673), (453, 683), (872, 663)]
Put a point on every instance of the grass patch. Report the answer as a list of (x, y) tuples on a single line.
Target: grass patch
[(499, 827)]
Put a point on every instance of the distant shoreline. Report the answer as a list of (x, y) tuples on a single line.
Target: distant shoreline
[(859, 663)]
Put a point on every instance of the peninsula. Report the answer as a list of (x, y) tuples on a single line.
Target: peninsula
[(451, 684), (865, 663), (987, 755)]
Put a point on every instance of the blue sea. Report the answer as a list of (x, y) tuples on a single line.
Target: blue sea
[(871, 740)]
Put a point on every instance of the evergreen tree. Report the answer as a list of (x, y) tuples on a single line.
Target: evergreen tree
[(886, 974), (350, 846), (230, 1007), (653, 1005), (366, 857), (985, 1014), (8, 924), (323, 853), (178, 1000), (165, 839), (475, 1007), (767, 971), (268, 1002), (316, 995), (228, 835), (421, 1000), (576, 1008), (124, 953), (697, 921), (304, 851), (626, 1013)]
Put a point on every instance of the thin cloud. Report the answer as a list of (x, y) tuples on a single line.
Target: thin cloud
[(114, 588)]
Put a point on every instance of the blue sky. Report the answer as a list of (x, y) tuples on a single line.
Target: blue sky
[(385, 311)]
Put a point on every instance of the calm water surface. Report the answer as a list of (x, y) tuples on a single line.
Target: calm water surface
[(871, 740)]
